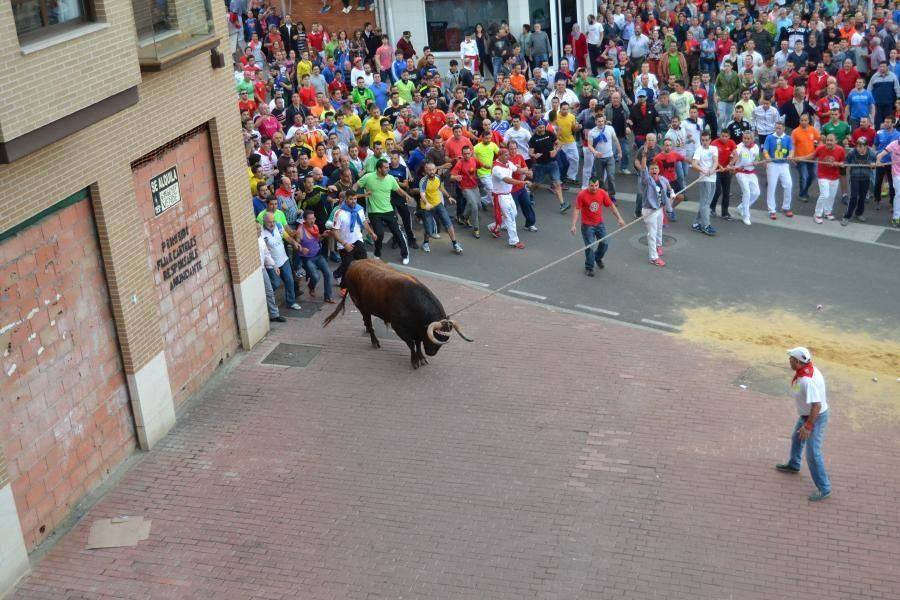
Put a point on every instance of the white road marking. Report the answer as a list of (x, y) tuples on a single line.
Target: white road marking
[(602, 311), (441, 275), (527, 294), (661, 324)]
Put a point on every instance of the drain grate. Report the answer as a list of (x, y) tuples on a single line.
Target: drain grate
[(292, 355), (668, 240)]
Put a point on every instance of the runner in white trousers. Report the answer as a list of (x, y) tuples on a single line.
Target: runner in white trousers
[(894, 150), (502, 182), (778, 149), (656, 194), (743, 161)]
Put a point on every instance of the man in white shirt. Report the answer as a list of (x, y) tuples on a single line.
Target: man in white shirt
[(564, 94), (280, 272), (763, 119), (750, 52), (347, 230), (810, 395), (706, 161), (502, 181), (601, 142), (518, 134), (265, 258), (594, 33), (743, 161)]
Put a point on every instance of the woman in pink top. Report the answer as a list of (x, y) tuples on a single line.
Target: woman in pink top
[(894, 150)]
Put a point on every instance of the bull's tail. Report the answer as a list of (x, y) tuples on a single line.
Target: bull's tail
[(337, 311)]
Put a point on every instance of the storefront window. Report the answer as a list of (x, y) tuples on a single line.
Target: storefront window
[(447, 20)]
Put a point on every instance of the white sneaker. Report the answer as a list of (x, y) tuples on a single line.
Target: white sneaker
[(296, 306), (436, 236), (746, 221), (372, 7), (457, 248), (405, 261), (532, 228), (346, 10)]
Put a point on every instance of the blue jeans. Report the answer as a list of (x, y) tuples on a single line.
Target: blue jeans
[(590, 234), (526, 204), (287, 277), (813, 451), (542, 170), (537, 59), (807, 175), (316, 268), (497, 64)]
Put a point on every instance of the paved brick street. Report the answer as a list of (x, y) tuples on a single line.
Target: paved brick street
[(556, 457)]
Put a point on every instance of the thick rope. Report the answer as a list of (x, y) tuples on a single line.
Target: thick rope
[(561, 259)]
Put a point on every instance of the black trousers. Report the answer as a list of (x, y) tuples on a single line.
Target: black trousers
[(381, 220), (723, 190), (402, 209), (880, 174), (358, 253), (859, 189), (594, 52)]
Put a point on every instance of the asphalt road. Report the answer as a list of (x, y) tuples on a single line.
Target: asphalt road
[(791, 265)]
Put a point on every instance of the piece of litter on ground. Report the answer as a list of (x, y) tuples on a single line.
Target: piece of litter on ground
[(818, 307), (118, 532), (742, 386), (875, 379)]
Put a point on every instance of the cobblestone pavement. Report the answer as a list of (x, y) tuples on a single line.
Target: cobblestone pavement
[(556, 457)]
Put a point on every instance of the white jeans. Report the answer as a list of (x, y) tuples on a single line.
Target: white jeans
[(571, 152), (508, 210), (749, 192), (827, 190), (896, 213), (778, 173), (653, 219), (487, 187), (588, 168)]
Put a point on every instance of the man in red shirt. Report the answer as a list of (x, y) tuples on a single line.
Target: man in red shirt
[(454, 145), (307, 92), (433, 119), (815, 85), (828, 175), (783, 92), (847, 76), (589, 206), (464, 174), (830, 101), (865, 130), (667, 160), (725, 145), (246, 103)]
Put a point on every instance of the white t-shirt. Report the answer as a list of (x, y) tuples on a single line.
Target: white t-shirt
[(498, 174), (707, 159), (342, 224), (810, 390), (746, 157), (593, 31), (602, 140)]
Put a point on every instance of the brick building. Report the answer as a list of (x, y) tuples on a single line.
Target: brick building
[(128, 261)]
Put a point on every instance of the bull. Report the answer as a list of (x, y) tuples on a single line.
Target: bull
[(402, 302)]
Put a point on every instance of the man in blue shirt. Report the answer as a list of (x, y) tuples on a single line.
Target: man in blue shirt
[(380, 90), (860, 103), (885, 136), (779, 149)]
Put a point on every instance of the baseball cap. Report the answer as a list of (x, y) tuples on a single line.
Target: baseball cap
[(642, 94), (800, 353), (862, 140)]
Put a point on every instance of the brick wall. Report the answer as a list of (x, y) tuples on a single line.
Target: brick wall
[(197, 314), (42, 86), (173, 102), (65, 420)]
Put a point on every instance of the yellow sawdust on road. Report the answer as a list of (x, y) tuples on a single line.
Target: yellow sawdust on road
[(849, 359)]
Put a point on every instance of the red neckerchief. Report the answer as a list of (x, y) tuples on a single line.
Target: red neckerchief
[(805, 370), (311, 232)]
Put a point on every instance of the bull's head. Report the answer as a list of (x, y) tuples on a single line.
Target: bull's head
[(438, 333)]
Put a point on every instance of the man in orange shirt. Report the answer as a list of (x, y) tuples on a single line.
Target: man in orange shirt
[(456, 142), (805, 138), (433, 119), (517, 79)]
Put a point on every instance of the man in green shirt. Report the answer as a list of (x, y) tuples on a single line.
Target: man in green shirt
[(378, 187), (728, 89), (485, 153), (278, 215), (841, 131), (405, 87), (361, 94)]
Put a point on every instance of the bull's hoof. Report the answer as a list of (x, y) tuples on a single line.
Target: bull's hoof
[(376, 344)]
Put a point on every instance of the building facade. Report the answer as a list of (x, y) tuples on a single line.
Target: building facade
[(441, 24), (129, 268)]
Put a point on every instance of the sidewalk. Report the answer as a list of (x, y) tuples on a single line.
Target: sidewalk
[(558, 456)]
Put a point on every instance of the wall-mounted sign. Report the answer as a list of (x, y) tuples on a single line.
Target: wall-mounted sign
[(164, 190), (180, 259)]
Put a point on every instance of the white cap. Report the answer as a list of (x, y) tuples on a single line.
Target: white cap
[(800, 353)]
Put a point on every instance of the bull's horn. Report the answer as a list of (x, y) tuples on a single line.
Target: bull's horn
[(430, 333), (459, 331)]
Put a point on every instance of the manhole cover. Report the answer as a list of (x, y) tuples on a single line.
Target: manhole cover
[(890, 236), (668, 240), (291, 355)]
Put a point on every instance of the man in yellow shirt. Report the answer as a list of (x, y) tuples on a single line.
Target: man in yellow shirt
[(372, 125), (351, 119), (485, 153), (567, 127), (431, 202)]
